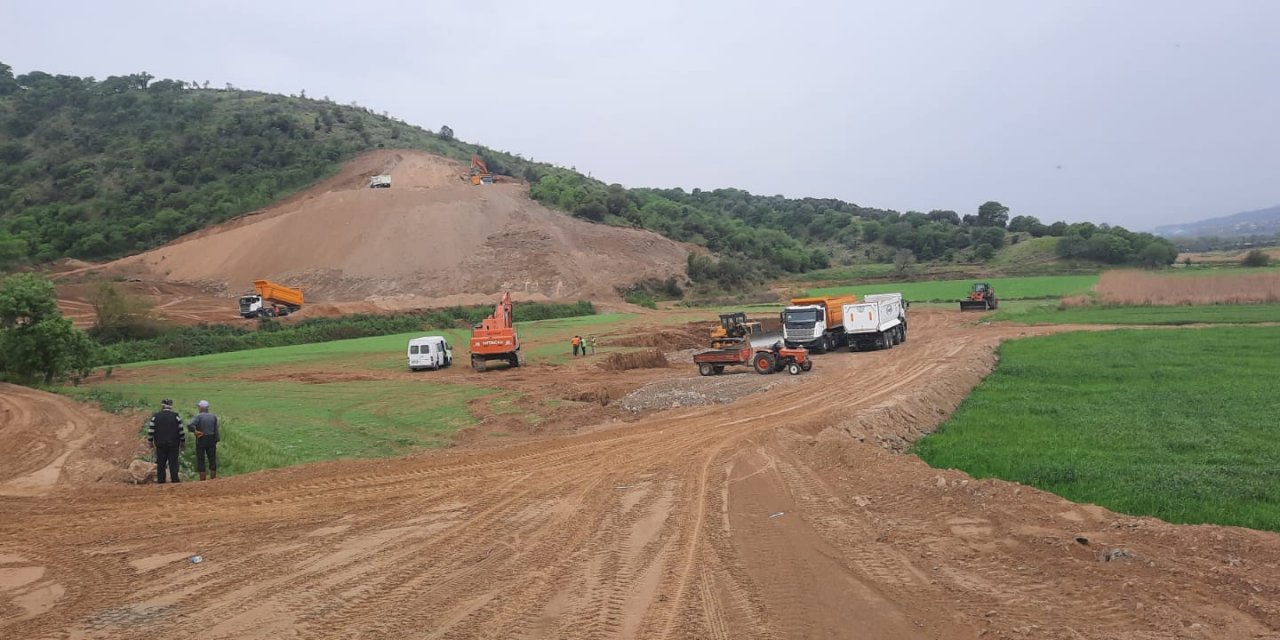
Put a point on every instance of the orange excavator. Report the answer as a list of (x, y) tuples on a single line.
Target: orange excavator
[(480, 171), (495, 338)]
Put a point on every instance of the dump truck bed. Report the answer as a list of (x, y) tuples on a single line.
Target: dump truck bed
[(736, 355), (278, 293)]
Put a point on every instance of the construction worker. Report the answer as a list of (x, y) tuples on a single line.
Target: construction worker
[(577, 344), (593, 345), (205, 425), (164, 434)]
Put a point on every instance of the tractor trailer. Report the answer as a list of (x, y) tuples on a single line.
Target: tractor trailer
[(879, 321), (815, 323), (269, 300)]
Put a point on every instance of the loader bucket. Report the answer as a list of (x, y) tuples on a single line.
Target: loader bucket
[(974, 305)]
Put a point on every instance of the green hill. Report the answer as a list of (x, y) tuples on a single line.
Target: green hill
[(97, 169)]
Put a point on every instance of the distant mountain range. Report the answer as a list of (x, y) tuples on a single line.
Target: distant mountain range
[(1247, 223)]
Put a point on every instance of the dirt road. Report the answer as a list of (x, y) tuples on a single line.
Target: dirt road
[(784, 515)]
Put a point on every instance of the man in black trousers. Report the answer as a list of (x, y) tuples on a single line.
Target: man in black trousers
[(165, 435)]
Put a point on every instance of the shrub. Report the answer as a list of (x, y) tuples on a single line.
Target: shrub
[(1255, 258)]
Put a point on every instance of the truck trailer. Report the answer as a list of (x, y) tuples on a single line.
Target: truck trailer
[(879, 321), (815, 323), (269, 300)]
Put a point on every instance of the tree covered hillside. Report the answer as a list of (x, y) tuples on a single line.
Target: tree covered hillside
[(98, 169)]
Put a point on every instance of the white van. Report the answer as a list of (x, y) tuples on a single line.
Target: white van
[(429, 352)]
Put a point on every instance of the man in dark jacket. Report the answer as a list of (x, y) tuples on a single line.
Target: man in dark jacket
[(205, 425), (165, 435)]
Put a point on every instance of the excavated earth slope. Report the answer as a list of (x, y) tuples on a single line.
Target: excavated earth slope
[(432, 236)]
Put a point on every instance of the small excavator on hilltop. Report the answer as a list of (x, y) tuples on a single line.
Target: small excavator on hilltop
[(480, 171), (495, 338), (982, 297)]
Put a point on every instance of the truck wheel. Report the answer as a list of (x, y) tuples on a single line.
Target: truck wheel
[(764, 363), (806, 365), (719, 369), (705, 369), (794, 369), (886, 342), (902, 334)]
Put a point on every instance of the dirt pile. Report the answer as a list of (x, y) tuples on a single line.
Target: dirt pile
[(634, 360), (431, 236)]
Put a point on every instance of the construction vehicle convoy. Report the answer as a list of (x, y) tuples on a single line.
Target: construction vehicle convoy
[(480, 171), (764, 360), (880, 320), (815, 323), (270, 300), (982, 297), (734, 328), (495, 338)]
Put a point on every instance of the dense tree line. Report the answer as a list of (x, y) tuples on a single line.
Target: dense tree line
[(98, 169), (36, 342)]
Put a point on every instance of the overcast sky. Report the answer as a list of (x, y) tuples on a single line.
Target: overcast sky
[(1136, 112)]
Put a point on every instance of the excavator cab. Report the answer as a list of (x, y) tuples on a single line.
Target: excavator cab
[(732, 330)]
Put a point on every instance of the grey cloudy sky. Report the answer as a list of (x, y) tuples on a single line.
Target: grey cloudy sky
[(1135, 112)]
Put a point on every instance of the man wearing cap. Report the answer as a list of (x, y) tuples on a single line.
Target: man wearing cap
[(205, 426), (164, 434)]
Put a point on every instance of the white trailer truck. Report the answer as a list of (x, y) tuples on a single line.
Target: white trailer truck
[(880, 321)]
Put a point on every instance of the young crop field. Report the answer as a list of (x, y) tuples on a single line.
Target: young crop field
[(1177, 424), (303, 403), (1032, 313), (1026, 288)]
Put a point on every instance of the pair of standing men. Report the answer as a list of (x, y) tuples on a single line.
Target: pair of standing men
[(166, 436)]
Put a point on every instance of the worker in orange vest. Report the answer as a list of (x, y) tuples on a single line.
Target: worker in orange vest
[(577, 344)]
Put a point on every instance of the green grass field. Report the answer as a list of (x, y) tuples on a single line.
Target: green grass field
[(1177, 424), (280, 422), (1027, 288), (1149, 315)]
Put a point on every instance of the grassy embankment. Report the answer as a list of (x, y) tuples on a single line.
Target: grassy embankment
[(1173, 424), (279, 409)]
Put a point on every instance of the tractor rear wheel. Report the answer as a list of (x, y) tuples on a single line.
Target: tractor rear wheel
[(806, 365), (764, 363)]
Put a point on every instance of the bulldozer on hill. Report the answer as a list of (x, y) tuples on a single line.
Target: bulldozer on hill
[(982, 297), (733, 329)]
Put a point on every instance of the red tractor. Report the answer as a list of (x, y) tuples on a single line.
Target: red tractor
[(763, 360)]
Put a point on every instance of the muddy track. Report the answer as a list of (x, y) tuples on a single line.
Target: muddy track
[(784, 515)]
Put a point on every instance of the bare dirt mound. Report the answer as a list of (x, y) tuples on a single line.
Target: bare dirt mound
[(432, 235)]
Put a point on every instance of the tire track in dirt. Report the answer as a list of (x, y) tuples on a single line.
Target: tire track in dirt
[(659, 528)]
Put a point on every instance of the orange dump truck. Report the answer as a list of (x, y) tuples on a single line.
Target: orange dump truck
[(270, 299), (816, 323)]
